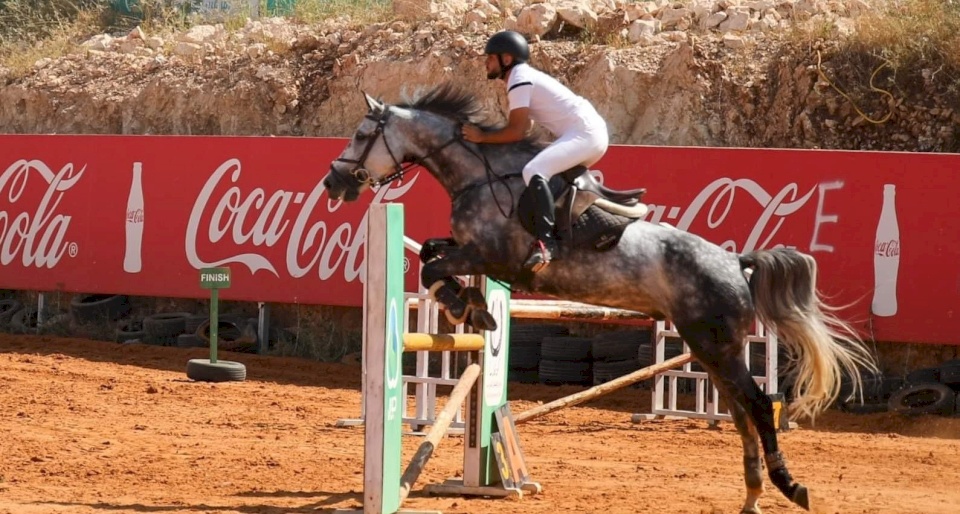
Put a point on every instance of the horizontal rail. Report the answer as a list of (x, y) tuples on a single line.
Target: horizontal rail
[(553, 309), (420, 342), (563, 310)]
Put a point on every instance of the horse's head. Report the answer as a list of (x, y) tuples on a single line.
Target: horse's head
[(372, 157)]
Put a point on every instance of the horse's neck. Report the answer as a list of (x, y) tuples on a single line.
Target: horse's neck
[(466, 166), (456, 168)]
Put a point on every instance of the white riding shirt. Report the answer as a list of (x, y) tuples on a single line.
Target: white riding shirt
[(581, 132), (551, 103)]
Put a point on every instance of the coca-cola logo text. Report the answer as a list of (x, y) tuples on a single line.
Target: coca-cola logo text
[(888, 248), (37, 234), (135, 216), (261, 219), (715, 203)]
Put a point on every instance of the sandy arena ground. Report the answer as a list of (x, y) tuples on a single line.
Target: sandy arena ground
[(94, 427)]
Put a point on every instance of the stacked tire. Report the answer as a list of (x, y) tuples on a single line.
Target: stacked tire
[(525, 350), (618, 353), (164, 328), (26, 320), (673, 347), (566, 360), (876, 393), (186, 330), (98, 308)]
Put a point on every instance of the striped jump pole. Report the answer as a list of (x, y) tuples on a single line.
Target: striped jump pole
[(482, 388)]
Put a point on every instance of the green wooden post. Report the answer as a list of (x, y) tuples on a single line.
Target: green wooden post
[(383, 332), (214, 279)]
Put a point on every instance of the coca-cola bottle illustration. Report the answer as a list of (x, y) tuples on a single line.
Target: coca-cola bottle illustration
[(132, 259), (886, 256)]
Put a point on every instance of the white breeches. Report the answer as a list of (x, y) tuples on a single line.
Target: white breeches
[(584, 146)]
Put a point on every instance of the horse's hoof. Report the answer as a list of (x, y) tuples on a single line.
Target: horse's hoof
[(751, 510), (801, 497), (481, 319)]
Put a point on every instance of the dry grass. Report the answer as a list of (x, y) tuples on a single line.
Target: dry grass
[(917, 41), (911, 33), (359, 12)]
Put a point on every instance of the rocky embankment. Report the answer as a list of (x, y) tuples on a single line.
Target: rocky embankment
[(698, 72)]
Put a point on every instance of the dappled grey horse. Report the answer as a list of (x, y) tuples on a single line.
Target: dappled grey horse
[(656, 269)]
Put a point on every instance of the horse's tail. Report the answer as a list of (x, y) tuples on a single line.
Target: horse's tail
[(823, 349)]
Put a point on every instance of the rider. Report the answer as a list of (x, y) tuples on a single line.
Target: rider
[(534, 96)]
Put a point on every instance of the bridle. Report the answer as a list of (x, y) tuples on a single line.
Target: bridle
[(360, 172), (362, 175)]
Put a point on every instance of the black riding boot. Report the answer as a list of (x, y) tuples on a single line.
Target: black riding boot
[(545, 248)]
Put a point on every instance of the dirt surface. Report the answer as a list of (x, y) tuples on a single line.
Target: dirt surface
[(100, 427)]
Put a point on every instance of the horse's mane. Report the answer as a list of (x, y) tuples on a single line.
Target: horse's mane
[(454, 101)]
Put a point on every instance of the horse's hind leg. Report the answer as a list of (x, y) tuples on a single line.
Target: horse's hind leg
[(752, 465), (732, 373), (718, 348)]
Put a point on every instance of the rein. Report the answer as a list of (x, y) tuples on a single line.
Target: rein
[(362, 175), (490, 180)]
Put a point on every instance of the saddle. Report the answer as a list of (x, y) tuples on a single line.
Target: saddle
[(588, 214)]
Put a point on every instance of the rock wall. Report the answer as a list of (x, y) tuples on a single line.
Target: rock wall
[(700, 72)]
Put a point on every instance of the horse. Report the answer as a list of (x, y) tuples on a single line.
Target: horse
[(710, 294)]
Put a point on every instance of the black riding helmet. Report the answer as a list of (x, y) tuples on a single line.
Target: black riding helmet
[(511, 43)]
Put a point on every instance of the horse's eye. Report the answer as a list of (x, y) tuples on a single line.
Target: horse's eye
[(361, 136)]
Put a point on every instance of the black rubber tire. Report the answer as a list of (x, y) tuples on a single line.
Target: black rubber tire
[(523, 376), (202, 370), (227, 330), (24, 321), (566, 349), (646, 353), (193, 321), (8, 308), (605, 371), (950, 372), (97, 308), (620, 345), (164, 327), (565, 372), (129, 330), (923, 376), (524, 357), (876, 390), (929, 398), (533, 334)]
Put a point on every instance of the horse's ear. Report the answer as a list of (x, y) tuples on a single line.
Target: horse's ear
[(372, 103)]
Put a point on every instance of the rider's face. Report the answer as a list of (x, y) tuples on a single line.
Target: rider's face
[(493, 65)]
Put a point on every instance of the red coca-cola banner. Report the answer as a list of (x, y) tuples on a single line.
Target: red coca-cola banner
[(141, 214)]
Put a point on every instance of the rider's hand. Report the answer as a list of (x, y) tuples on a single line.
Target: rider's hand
[(472, 133)]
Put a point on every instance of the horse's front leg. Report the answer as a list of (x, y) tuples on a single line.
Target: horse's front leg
[(442, 260)]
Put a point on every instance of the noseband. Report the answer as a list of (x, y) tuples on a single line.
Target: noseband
[(360, 172)]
